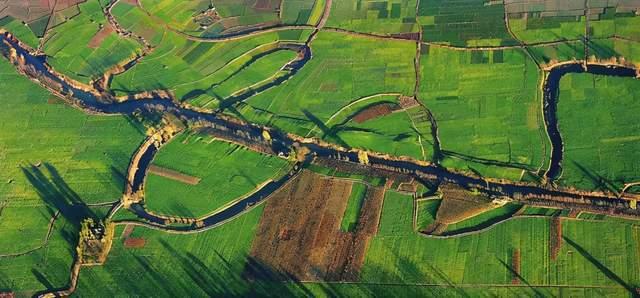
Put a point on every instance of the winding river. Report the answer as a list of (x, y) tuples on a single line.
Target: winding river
[(232, 129), (551, 94)]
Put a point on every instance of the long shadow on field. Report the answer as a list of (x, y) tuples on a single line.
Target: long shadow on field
[(326, 131), (218, 277), (485, 161), (520, 278), (600, 182), (42, 279), (610, 274), (57, 194)]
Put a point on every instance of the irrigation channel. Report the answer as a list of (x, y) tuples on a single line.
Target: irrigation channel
[(280, 143)]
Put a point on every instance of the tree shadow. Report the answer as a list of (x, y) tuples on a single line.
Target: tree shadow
[(56, 193), (520, 278), (42, 279), (485, 161), (598, 181), (607, 272), (326, 131)]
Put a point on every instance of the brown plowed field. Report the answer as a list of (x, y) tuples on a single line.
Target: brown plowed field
[(97, 39), (299, 233), (135, 242), (173, 175), (373, 112), (459, 204)]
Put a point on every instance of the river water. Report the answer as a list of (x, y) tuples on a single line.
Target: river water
[(281, 143)]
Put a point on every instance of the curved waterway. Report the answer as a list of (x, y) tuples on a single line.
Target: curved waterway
[(248, 134), (551, 94)]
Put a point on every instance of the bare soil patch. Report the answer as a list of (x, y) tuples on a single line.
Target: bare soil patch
[(135, 242), (299, 233), (268, 5), (128, 229), (173, 175), (97, 39), (373, 112)]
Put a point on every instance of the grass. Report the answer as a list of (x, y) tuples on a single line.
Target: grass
[(530, 210), (45, 268), (426, 213), (134, 19), (464, 23), (393, 134), (481, 259), (383, 17), (202, 264), (264, 69), (52, 156), (228, 172), (352, 212), (20, 31), (395, 217), (487, 108), (191, 69), (483, 219), (67, 45), (535, 29), (339, 73), (297, 11), (596, 119)]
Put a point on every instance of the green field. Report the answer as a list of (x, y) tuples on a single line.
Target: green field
[(52, 157), (351, 214), (393, 134), (203, 264), (595, 254), (487, 108), (393, 16), (426, 213), (228, 172), (537, 29), (484, 219), (196, 69), (464, 22), (70, 50), (339, 73), (597, 120), (20, 31)]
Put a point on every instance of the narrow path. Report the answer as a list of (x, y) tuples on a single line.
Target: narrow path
[(45, 242)]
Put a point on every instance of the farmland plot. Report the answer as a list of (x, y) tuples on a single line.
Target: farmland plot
[(464, 22), (384, 17), (479, 259), (597, 117), (344, 68), (227, 172), (76, 48), (487, 108)]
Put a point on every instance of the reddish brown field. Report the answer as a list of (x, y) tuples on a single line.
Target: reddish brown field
[(515, 266), (28, 11), (299, 233), (173, 175), (266, 5), (97, 39), (135, 242), (373, 112), (555, 236)]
